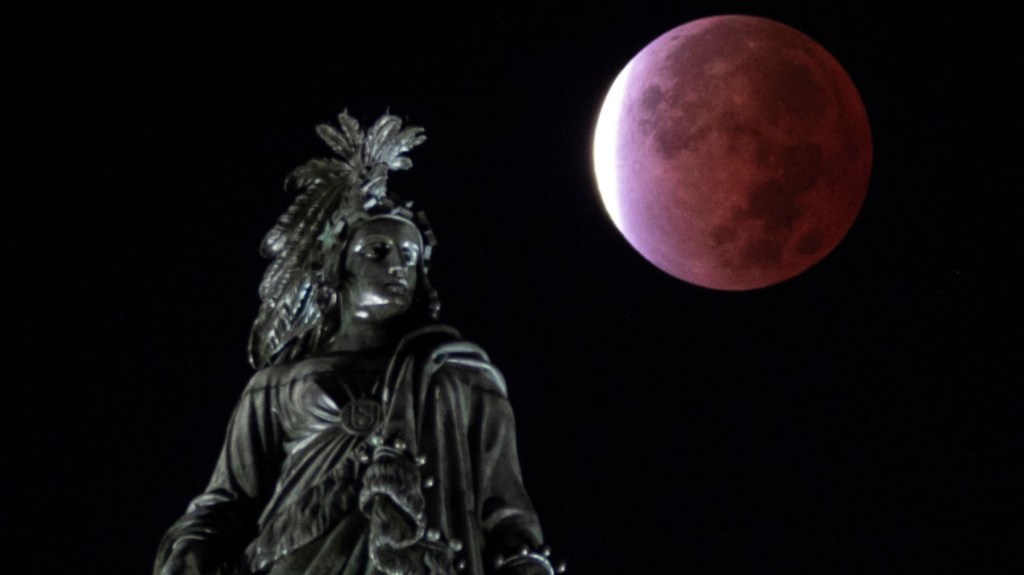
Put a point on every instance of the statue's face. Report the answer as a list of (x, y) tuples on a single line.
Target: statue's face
[(381, 260)]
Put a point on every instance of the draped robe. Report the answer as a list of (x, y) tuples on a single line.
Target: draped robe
[(283, 497)]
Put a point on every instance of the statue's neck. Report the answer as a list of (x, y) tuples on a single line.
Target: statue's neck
[(358, 335)]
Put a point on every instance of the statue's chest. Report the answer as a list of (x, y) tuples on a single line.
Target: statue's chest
[(330, 402)]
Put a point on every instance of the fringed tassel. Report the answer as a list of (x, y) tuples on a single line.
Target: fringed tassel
[(318, 509), (392, 499)]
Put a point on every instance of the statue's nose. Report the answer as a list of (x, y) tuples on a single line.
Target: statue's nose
[(399, 271)]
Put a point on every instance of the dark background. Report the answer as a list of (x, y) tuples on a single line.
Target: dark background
[(858, 418)]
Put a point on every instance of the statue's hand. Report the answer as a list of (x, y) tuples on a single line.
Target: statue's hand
[(527, 562), (526, 569)]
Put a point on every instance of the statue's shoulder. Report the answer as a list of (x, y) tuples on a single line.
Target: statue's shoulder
[(281, 375), (469, 364), (450, 356)]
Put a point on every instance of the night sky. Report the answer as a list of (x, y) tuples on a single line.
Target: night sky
[(859, 418)]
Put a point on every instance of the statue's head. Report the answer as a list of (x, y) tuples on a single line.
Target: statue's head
[(347, 249), (378, 274), (381, 269)]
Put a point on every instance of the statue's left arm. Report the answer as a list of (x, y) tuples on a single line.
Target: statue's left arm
[(221, 520), (512, 534)]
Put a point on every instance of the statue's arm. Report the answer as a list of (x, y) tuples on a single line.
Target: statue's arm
[(509, 521), (221, 520)]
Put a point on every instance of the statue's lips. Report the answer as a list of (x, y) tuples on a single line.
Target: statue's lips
[(397, 288)]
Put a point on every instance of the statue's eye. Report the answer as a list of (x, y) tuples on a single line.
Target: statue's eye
[(374, 250), (409, 255)]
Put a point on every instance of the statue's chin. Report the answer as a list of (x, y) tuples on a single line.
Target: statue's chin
[(382, 310)]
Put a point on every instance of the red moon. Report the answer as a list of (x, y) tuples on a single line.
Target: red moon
[(733, 152)]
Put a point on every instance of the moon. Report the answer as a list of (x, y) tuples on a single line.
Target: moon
[(733, 152)]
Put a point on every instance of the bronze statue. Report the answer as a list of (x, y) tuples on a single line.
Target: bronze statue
[(371, 439)]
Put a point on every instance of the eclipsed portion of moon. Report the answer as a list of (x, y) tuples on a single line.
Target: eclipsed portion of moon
[(733, 152)]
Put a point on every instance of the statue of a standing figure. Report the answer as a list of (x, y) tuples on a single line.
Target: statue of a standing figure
[(371, 438)]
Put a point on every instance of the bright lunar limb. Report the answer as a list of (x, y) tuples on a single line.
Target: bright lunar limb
[(733, 152)]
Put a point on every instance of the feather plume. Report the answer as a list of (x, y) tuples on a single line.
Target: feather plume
[(350, 127), (335, 140), (329, 192)]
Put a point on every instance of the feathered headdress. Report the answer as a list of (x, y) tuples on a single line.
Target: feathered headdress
[(333, 194)]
